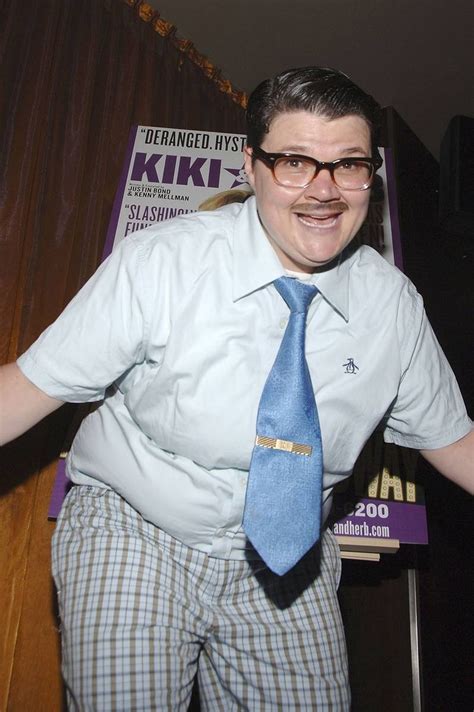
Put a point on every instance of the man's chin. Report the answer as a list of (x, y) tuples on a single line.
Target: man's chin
[(311, 265)]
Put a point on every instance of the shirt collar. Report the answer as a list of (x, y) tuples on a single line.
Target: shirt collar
[(255, 263), (333, 283)]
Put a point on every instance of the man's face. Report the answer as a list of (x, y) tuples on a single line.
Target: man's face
[(308, 227)]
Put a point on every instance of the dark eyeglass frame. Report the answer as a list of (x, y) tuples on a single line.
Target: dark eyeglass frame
[(270, 160)]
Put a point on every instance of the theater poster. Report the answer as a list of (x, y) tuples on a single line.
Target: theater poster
[(169, 172)]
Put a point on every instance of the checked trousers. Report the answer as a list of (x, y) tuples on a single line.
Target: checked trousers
[(142, 615)]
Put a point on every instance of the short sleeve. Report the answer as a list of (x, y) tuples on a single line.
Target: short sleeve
[(100, 334), (429, 411)]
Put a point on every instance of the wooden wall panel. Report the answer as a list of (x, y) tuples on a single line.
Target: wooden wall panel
[(29, 641), (15, 516), (38, 686)]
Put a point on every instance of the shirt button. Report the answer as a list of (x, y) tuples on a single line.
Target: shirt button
[(283, 323)]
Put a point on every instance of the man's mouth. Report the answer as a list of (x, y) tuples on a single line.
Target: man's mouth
[(325, 220), (325, 217)]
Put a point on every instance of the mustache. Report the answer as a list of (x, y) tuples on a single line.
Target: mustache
[(317, 210)]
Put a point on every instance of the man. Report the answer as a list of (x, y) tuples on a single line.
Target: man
[(177, 333)]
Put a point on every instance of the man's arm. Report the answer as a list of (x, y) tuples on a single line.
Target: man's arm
[(22, 404), (455, 461)]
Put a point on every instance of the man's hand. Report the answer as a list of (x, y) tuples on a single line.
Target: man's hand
[(456, 461), (22, 404)]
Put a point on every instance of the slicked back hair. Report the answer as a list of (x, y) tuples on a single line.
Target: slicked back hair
[(325, 92)]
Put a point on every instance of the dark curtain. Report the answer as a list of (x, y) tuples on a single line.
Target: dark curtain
[(75, 75)]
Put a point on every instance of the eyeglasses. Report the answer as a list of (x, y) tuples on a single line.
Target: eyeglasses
[(294, 171)]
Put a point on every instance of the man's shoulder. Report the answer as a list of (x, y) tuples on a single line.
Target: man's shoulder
[(373, 280), (190, 237), (203, 225), (368, 261)]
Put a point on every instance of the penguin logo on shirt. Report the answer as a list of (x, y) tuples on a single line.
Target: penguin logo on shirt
[(350, 366)]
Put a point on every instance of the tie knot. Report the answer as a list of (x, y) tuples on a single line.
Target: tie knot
[(297, 294)]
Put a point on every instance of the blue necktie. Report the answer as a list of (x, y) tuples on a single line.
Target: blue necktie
[(282, 515)]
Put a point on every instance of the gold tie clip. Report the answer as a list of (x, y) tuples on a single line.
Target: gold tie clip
[(287, 445)]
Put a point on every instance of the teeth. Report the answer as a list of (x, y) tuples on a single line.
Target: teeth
[(318, 217), (328, 220)]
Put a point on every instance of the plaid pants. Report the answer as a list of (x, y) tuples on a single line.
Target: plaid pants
[(142, 614)]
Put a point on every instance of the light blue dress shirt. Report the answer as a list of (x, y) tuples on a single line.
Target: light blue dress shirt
[(177, 332)]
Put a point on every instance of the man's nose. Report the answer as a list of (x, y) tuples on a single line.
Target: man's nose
[(322, 187)]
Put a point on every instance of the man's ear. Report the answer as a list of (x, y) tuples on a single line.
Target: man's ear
[(248, 165)]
